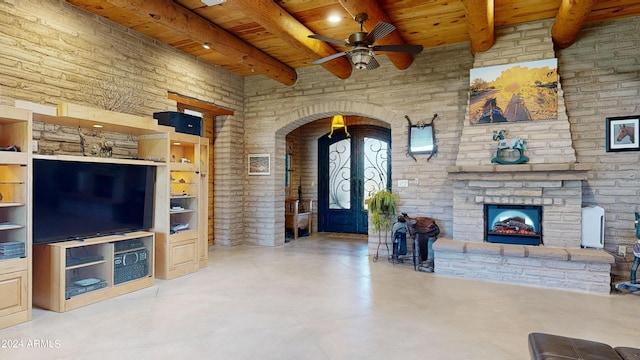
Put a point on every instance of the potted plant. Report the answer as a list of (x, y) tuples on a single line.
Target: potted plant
[(382, 207)]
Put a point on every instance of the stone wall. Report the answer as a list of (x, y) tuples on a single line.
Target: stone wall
[(600, 73), (548, 141), (52, 52), (599, 78), (436, 83), (581, 270)]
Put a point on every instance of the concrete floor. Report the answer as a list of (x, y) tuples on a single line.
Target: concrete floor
[(320, 297)]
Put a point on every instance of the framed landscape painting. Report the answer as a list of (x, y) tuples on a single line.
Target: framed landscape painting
[(526, 91), (259, 164)]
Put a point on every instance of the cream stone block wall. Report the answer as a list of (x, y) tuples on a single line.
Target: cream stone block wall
[(52, 52)]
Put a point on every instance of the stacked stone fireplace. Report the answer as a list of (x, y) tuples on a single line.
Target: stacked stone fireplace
[(551, 179)]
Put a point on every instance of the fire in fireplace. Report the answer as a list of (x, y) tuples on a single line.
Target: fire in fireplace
[(513, 224)]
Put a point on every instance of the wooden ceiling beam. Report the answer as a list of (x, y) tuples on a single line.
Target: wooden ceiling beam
[(281, 24), (375, 15), (182, 20), (569, 20), (480, 22)]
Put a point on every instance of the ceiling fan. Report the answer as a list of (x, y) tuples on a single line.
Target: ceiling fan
[(362, 48)]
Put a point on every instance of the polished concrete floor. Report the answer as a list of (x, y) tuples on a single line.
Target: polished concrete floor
[(320, 297)]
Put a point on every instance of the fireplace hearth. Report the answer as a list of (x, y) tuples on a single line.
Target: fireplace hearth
[(513, 224)]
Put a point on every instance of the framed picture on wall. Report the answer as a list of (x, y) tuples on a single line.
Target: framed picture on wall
[(259, 164), (622, 133), (525, 91)]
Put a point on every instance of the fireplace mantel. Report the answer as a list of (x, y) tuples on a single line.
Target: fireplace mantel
[(563, 171)]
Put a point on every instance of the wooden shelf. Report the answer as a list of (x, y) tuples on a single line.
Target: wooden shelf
[(97, 160), (13, 158), (6, 226), (11, 204), (74, 115), (181, 211), (53, 279), (84, 265), (15, 183)]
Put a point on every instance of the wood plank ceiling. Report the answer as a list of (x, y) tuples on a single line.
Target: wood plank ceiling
[(263, 37)]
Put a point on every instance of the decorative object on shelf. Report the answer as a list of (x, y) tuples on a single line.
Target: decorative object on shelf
[(10, 148), (422, 139), (622, 133), (259, 164), (83, 142), (117, 94), (515, 144), (102, 148), (382, 207), (338, 122)]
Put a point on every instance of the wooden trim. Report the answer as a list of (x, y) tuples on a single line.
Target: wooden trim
[(191, 102)]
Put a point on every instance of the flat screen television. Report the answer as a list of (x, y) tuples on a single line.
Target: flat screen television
[(73, 200)]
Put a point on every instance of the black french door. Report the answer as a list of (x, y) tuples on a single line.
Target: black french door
[(349, 169)]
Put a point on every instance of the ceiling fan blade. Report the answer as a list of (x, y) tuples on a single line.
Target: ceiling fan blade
[(381, 30), (411, 49), (330, 57), (329, 40), (373, 64)]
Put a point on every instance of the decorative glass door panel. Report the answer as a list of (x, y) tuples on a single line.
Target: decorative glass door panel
[(349, 169), (340, 174), (376, 158)]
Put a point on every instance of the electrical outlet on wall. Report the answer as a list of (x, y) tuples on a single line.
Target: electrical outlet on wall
[(622, 250), (34, 146)]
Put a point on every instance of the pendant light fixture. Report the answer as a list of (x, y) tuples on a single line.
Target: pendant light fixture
[(338, 122)]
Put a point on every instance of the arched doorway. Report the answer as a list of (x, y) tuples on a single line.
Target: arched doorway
[(349, 168)]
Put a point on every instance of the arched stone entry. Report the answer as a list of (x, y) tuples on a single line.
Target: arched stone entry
[(299, 117)]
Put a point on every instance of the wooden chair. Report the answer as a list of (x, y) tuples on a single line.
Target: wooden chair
[(298, 215)]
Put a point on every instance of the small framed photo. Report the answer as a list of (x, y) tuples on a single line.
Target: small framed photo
[(622, 133), (259, 164)]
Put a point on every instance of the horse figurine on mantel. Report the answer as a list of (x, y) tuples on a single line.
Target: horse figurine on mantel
[(509, 144)]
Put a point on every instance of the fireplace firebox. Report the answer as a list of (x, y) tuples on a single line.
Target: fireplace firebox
[(513, 224)]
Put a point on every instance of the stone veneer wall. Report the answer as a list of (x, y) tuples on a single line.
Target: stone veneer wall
[(582, 270), (548, 141), (602, 71), (52, 52), (561, 201), (437, 82), (551, 179)]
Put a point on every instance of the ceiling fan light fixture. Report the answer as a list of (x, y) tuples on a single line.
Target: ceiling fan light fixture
[(206, 46), (361, 57)]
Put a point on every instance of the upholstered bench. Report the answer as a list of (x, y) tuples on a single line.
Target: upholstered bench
[(555, 347)]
